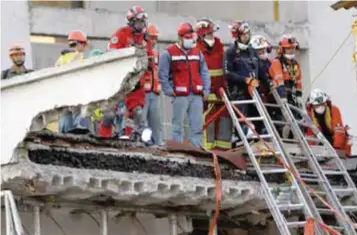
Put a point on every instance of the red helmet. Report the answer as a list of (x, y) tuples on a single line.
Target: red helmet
[(205, 26), (185, 30), (77, 36), (136, 13), (288, 41), (239, 27), (16, 49), (153, 30)]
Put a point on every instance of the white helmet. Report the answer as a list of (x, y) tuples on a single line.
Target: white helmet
[(259, 42), (317, 96)]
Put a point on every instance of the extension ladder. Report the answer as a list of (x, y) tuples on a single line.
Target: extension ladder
[(282, 198), (13, 222), (319, 178)]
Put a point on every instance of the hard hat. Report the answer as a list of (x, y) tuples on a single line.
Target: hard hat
[(185, 30), (288, 41), (16, 49), (77, 36), (136, 13), (317, 96), (153, 30), (259, 42), (205, 26), (239, 27)]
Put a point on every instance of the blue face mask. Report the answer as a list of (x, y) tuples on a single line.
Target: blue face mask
[(188, 43)]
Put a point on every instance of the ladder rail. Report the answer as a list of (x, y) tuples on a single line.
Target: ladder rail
[(306, 198), (282, 226), (12, 214), (331, 196)]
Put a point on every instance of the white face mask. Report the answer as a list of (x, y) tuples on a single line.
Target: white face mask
[(210, 42), (320, 109), (289, 56), (242, 46), (264, 56), (188, 43)]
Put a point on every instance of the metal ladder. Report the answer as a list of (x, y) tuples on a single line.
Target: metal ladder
[(296, 199), (13, 221), (320, 177)]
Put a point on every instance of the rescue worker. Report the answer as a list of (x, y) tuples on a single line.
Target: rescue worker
[(152, 86), (241, 66), (184, 77), (72, 120), (327, 117), (134, 34), (17, 56), (218, 134), (77, 42), (286, 73)]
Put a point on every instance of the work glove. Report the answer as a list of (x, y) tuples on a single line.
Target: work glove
[(252, 83), (286, 131)]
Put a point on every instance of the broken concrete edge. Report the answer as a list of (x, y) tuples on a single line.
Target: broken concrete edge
[(97, 26)]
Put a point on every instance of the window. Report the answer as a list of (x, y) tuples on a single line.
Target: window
[(60, 4)]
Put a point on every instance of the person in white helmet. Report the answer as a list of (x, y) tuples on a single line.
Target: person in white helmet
[(327, 117)]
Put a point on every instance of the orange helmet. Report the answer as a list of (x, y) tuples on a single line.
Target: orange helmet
[(16, 49), (205, 26), (186, 30), (77, 36), (136, 13), (153, 30), (239, 27), (288, 41)]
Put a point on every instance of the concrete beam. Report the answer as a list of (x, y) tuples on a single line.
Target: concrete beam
[(102, 23), (97, 78)]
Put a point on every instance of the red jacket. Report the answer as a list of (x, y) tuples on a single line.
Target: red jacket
[(151, 81), (214, 59), (185, 71), (125, 37)]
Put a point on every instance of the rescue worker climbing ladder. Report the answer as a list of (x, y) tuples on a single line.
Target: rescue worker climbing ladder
[(218, 134)]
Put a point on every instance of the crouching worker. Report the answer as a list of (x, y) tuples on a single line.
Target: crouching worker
[(327, 117), (184, 77), (218, 133)]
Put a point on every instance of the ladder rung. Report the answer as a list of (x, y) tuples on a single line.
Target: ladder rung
[(290, 140), (343, 190), (272, 105), (274, 171), (313, 139), (252, 119), (280, 122), (290, 206), (333, 172), (296, 224), (260, 136), (311, 180), (304, 124), (267, 153), (350, 208), (325, 210), (244, 102)]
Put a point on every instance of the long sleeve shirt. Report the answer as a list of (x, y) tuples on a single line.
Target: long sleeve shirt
[(165, 71)]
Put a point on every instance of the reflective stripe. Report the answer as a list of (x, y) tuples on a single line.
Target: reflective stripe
[(199, 87), (279, 75), (223, 144), (178, 57), (193, 57), (216, 72), (181, 88), (212, 97)]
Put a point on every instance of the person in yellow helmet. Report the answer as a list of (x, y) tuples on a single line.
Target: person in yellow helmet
[(77, 42), (17, 55)]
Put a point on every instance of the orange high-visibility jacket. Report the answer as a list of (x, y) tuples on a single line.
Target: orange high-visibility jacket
[(279, 73)]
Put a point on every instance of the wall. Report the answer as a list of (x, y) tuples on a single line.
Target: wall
[(15, 28), (328, 29)]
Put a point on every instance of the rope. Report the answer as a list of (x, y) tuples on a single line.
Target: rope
[(217, 172)]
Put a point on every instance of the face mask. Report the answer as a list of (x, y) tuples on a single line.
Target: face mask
[(242, 46), (263, 56), (188, 43), (320, 109), (289, 56), (210, 42), (19, 62)]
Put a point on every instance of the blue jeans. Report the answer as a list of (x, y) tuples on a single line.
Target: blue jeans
[(69, 121), (191, 105), (152, 115)]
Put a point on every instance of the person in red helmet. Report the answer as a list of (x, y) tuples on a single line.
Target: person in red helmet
[(152, 87), (218, 134), (77, 41), (184, 77), (134, 34), (17, 55)]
